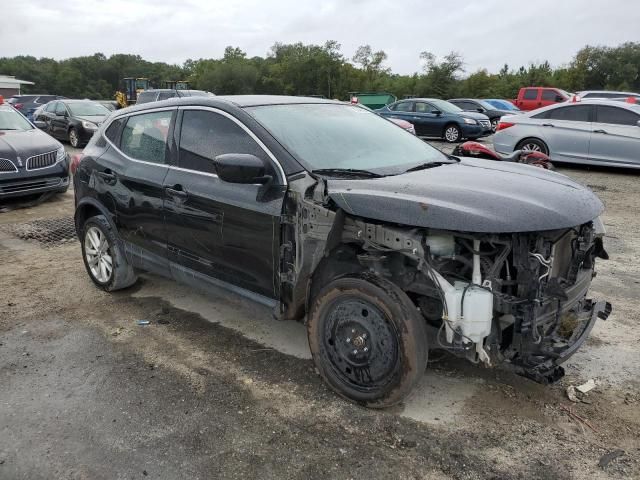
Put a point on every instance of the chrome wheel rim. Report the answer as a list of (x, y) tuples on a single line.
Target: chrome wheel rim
[(532, 147), (494, 125), (98, 254), (73, 138), (451, 134)]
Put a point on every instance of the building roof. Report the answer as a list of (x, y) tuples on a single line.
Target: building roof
[(9, 81)]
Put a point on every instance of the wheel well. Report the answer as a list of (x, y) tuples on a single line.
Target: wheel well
[(444, 129), (521, 142), (83, 213), (342, 260)]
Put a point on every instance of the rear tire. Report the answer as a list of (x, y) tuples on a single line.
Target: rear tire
[(367, 339), (452, 133), (104, 257), (534, 145)]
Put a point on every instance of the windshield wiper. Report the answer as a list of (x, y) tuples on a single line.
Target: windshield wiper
[(354, 172), (424, 166)]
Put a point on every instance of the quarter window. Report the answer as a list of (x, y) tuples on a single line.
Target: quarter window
[(204, 135), (114, 129), (145, 136), (616, 116), (531, 94)]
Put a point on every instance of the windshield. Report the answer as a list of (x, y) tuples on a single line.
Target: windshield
[(339, 136), (87, 109), (503, 104), (12, 120), (485, 105)]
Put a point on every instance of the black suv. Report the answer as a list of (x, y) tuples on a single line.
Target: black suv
[(381, 244)]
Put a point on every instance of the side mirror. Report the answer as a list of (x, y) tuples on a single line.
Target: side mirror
[(480, 110), (40, 124), (559, 98), (241, 168), (437, 112)]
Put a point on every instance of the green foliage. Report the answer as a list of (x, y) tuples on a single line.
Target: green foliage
[(299, 69)]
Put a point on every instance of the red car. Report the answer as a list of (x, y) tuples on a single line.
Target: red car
[(530, 98)]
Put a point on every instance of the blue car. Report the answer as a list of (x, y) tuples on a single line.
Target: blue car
[(433, 117), (502, 104)]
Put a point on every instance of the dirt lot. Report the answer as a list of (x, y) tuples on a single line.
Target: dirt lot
[(213, 388)]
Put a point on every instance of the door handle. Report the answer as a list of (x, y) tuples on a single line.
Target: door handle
[(548, 125), (601, 131), (176, 191)]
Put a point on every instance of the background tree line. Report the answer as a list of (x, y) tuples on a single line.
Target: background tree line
[(299, 69)]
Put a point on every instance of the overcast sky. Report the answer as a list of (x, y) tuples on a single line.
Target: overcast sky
[(488, 33)]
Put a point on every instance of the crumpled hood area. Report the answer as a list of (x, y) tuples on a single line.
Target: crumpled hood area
[(474, 195)]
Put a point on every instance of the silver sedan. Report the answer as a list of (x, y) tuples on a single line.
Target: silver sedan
[(595, 132)]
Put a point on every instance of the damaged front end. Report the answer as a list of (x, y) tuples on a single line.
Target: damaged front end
[(517, 298)]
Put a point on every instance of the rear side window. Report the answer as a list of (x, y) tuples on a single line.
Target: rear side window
[(113, 131), (530, 94), (403, 107), (577, 113), (144, 137), (204, 135), (616, 116)]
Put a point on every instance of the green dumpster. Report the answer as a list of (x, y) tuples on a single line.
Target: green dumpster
[(373, 100)]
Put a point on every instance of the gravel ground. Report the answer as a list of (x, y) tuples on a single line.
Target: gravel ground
[(213, 388)]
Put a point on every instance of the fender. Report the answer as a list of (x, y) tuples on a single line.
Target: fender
[(87, 203)]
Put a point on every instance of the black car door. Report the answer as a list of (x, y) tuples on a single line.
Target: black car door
[(228, 232), (59, 121), (132, 176)]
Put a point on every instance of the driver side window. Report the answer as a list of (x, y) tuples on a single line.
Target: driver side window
[(61, 109), (204, 135)]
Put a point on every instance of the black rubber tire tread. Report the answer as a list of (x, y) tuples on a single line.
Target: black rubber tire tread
[(123, 273), (396, 305)]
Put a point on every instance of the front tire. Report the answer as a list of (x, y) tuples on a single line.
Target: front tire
[(103, 256), (533, 145), (74, 138), (367, 339), (452, 133)]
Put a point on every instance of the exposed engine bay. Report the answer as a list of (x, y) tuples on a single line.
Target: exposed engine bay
[(516, 298)]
